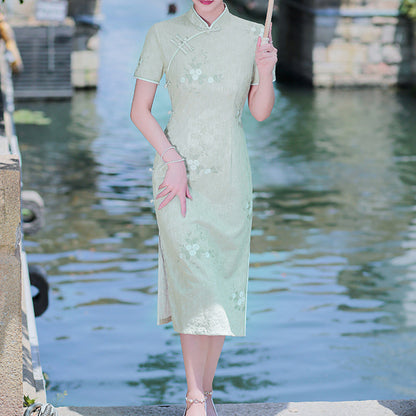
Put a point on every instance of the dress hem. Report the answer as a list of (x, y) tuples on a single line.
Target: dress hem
[(146, 79), (169, 319)]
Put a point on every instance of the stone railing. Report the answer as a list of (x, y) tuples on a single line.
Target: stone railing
[(20, 371), (11, 376)]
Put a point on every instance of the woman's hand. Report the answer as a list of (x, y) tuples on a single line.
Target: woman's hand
[(266, 56), (176, 183)]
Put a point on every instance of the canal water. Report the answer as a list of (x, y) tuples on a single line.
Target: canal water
[(332, 291)]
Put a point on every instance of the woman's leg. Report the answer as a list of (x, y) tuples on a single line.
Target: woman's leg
[(195, 353), (215, 345)]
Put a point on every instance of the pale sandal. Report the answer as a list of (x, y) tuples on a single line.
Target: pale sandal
[(208, 395), (192, 401)]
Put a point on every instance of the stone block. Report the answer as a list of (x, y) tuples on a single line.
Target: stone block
[(362, 80), (370, 34), (322, 80), (374, 53), (381, 68), (355, 31), (84, 78), (329, 68), (361, 21), (11, 377), (388, 4), (339, 53), (84, 68), (388, 34), (344, 81), (391, 54), (368, 80), (84, 60), (10, 229), (319, 53), (93, 43), (384, 20), (347, 53), (342, 30), (358, 53)]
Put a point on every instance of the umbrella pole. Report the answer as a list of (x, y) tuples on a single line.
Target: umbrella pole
[(265, 38)]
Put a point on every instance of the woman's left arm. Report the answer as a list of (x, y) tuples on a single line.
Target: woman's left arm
[(261, 96)]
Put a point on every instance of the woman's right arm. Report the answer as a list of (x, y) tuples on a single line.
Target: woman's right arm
[(175, 181)]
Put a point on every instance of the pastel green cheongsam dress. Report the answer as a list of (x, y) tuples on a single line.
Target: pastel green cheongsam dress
[(204, 256)]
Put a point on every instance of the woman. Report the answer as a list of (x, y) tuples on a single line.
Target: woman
[(213, 61)]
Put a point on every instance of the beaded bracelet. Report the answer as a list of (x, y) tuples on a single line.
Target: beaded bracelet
[(173, 161), (170, 147)]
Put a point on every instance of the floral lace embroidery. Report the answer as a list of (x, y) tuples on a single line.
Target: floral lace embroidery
[(238, 298), (249, 208), (196, 167), (194, 72), (256, 30), (192, 248), (196, 156)]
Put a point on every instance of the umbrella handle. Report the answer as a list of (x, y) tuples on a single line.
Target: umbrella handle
[(265, 38)]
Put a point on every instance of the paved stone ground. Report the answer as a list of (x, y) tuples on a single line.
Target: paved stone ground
[(350, 408)]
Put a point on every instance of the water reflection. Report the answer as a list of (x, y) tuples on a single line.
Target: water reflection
[(331, 311)]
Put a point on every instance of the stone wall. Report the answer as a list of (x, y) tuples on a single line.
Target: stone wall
[(85, 55), (332, 43)]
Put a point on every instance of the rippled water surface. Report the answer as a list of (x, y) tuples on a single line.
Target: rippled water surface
[(332, 293)]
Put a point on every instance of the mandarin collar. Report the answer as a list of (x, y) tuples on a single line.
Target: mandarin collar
[(197, 20)]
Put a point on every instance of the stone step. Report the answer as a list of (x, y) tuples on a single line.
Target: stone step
[(340, 408)]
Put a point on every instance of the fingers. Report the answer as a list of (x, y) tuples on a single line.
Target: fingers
[(261, 49), (188, 194), (164, 192), (166, 200), (171, 194), (266, 52), (182, 200), (174, 184)]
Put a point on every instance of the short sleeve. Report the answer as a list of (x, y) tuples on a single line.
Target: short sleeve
[(150, 64)]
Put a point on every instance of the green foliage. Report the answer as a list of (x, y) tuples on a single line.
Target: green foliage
[(46, 378), (408, 8), (27, 401), (30, 117)]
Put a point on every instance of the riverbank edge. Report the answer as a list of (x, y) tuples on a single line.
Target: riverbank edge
[(340, 408)]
